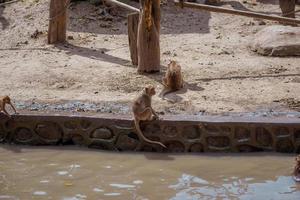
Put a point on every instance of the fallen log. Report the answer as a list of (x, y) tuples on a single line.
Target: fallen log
[(237, 12)]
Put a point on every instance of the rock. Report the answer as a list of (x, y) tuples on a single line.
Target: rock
[(70, 37), (96, 2), (277, 41)]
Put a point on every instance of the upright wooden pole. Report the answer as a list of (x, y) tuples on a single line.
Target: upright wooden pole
[(288, 8), (58, 21), (148, 36), (133, 22)]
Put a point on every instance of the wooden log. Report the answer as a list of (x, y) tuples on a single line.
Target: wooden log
[(288, 8), (123, 5), (58, 21), (148, 36), (133, 22), (238, 12)]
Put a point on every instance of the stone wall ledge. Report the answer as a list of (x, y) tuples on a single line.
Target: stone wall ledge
[(195, 134)]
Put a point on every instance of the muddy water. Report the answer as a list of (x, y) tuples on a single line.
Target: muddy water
[(71, 174)]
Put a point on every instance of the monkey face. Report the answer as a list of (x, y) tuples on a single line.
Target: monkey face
[(150, 90), (298, 159), (171, 63), (6, 99)]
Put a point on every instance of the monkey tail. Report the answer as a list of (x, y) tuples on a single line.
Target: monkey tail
[(164, 93), (137, 126)]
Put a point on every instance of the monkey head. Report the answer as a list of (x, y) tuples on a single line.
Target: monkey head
[(6, 99), (150, 90), (298, 160), (172, 62)]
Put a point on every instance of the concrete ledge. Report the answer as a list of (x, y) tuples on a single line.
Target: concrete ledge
[(178, 133)]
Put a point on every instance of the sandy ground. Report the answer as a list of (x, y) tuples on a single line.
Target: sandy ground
[(92, 72)]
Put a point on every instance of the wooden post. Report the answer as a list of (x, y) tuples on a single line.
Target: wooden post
[(148, 36), (58, 21), (133, 22), (288, 8)]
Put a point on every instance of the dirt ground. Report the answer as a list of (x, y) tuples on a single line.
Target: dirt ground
[(93, 73)]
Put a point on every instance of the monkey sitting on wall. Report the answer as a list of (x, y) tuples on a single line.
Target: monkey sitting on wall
[(297, 169), (143, 111), (173, 79), (3, 101)]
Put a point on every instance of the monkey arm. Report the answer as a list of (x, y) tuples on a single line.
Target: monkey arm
[(164, 82), (6, 113), (154, 113), (13, 107), (145, 115)]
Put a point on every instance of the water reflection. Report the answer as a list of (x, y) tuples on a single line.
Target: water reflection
[(190, 187), (76, 174)]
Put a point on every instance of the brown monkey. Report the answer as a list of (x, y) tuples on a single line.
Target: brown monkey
[(173, 79), (297, 169), (143, 111), (3, 101)]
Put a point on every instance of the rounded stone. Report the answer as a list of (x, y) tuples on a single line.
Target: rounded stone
[(218, 141), (297, 134), (102, 133), (191, 132), (127, 143), (10, 124), (282, 132), (151, 129), (170, 131), (247, 148), (225, 129), (175, 147), (285, 146), (70, 124), (263, 137), (197, 147), (49, 131), (242, 134), (2, 133), (23, 135), (211, 129), (85, 124), (79, 140)]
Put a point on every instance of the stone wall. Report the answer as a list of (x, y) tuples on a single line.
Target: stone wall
[(179, 134)]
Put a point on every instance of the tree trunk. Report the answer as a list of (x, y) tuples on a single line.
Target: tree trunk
[(288, 8), (148, 36), (57, 21), (133, 22)]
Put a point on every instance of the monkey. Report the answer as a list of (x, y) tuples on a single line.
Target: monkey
[(173, 79), (143, 111), (3, 101), (297, 169)]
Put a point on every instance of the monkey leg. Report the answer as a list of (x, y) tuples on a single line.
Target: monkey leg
[(156, 117), (164, 82), (6, 113), (13, 107), (145, 115)]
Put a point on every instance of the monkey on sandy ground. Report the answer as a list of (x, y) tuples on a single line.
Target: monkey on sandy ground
[(143, 111), (173, 79), (3, 101), (297, 169)]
